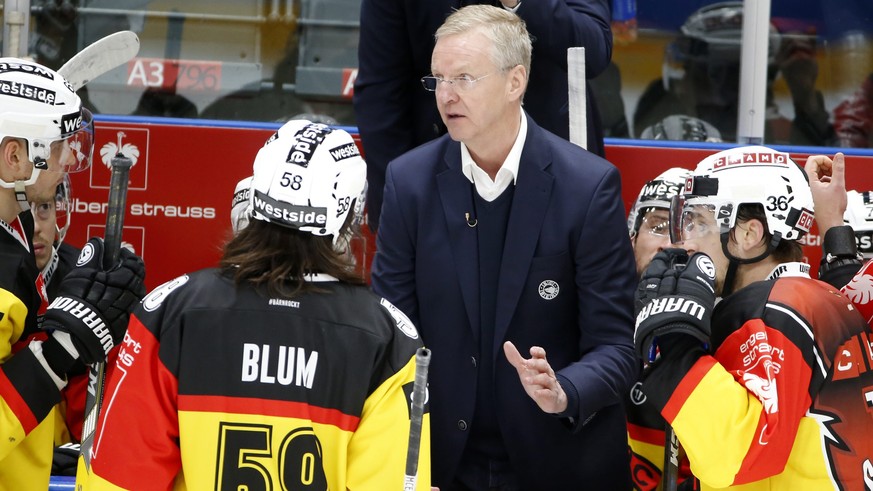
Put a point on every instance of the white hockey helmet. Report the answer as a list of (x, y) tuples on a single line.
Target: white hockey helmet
[(39, 106), (747, 175), (656, 193), (240, 212), (859, 215), (309, 177), (680, 127)]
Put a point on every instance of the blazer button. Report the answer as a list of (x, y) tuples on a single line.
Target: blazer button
[(462, 425), (473, 361)]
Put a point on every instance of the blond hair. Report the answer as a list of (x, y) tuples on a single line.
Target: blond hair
[(511, 44)]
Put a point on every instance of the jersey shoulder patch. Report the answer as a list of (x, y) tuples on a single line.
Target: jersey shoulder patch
[(403, 323), (153, 300)]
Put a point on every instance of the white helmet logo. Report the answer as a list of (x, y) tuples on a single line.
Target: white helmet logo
[(549, 289)]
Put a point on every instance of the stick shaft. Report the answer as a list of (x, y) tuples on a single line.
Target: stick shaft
[(111, 253), (419, 391), (671, 459)]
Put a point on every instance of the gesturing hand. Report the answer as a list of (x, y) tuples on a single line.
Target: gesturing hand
[(537, 378)]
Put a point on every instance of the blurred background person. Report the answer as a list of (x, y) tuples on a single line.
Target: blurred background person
[(701, 75)]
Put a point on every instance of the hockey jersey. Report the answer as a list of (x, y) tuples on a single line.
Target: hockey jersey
[(784, 400), (223, 388), (28, 394)]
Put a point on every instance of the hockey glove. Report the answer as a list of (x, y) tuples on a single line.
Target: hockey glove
[(675, 297), (94, 305)]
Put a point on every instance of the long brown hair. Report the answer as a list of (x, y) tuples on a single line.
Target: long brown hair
[(279, 258)]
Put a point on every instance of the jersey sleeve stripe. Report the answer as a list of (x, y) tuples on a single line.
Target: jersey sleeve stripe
[(25, 388), (16, 404), (266, 407), (686, 387), (646, 435)]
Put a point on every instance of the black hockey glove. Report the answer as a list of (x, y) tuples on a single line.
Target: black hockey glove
[(94, 305), (675, 297)]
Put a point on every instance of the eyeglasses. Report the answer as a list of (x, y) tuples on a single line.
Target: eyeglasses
[(460, 84)]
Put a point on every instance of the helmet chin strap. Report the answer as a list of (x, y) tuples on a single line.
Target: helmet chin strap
[(734, 262), (21, 195)]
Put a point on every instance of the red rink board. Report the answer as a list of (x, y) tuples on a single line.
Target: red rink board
[(181, 184)]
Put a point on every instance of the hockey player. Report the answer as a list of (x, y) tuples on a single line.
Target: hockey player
[(771, 389), (44, 133), (649, 227), (279, 369)]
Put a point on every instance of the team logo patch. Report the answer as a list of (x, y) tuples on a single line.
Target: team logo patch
[(86, 254), (154, 299), (549, 289), (636, 394), (704, 264), (403, 323)]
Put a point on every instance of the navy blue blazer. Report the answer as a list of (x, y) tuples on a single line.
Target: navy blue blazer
[(395, 114), (567, 225)]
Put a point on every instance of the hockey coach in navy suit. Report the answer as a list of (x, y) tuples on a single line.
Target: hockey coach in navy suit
[(507, 246)]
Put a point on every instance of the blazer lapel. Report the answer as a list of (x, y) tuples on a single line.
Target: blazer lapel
[(457, 199), (527, 215)]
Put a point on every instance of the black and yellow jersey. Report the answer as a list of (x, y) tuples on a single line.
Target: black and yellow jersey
[(217, 387), (28, 394), (784, 400)]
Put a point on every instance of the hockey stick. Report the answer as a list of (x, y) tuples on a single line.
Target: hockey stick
[(111, 253), (99, 57), (416, 415), (671, 460), (670, 476)]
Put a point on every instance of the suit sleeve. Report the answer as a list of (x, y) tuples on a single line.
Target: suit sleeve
[(605, 282), (383, 96), (393, 268), (560, 24)]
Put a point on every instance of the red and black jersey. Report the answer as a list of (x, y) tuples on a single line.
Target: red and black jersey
[(784, 400), (28, 395), (217, 387)]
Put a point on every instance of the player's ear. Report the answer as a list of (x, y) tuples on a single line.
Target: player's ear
[(11, 149), (750, 237)]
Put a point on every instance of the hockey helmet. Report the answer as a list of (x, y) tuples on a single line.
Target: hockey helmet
[(682, 128), (712, 36), (656, 193), (239, 206), (40, 107), (744, 175), (309, 177)]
